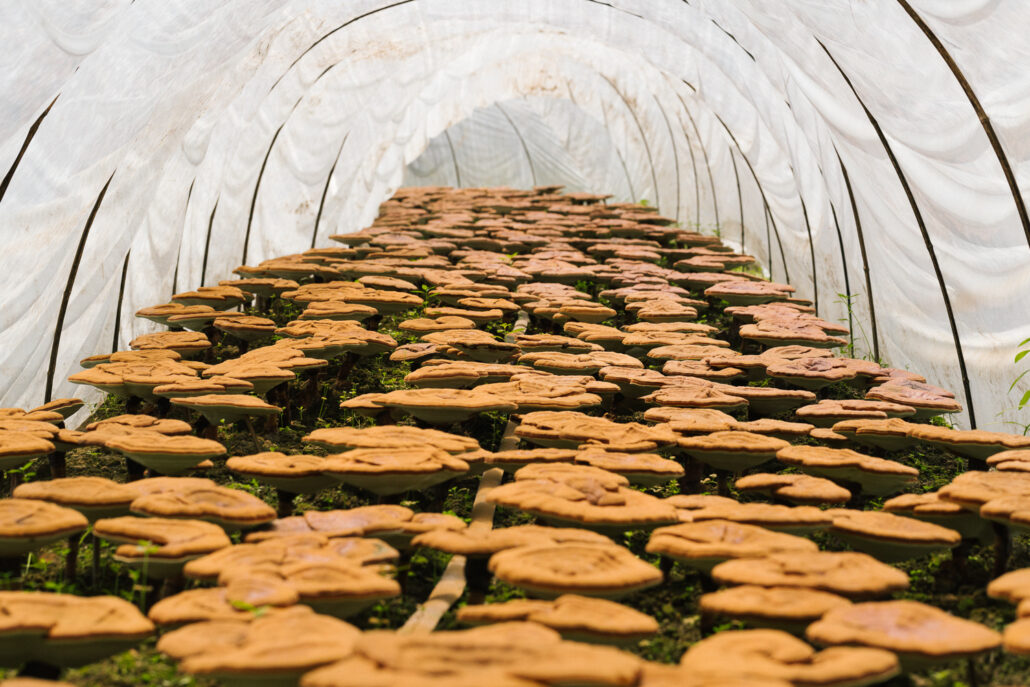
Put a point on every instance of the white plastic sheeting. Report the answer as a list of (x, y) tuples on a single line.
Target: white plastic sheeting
[(153, 146)]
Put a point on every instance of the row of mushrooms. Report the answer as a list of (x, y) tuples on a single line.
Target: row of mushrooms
[(741, 449)]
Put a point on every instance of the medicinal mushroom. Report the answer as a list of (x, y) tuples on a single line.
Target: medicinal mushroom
[(829, 411), (796, 488), (168, 455), (790, 609), (445, 406), (235, 601), (577, 618), (186, 344), (919, 634), (892, 434), (703, 545), (385, 471), (928, 400), (64, 630), (27, 525), (160, 547), (875, 476), (732, 451), (273, 650), (548, 571), (777, 654), (231, 509), (94, 497), (891, 538), (850, 574)]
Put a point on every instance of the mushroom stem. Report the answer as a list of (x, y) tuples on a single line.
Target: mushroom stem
[(253, 433), (13, 480), (1002, 548), (972, 678), (38, 669), (346, 365), (690, 482), (478, 575), (134, 471), (57, 464), (171, 586), (722, 483), (285, 503), (164, 406), (95, 565), (71, 560)]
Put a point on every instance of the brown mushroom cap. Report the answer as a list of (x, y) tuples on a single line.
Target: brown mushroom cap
[(66, 630), (232, 602), (28, 524), (94, 497), (777, 654), (396, 470), (891, 537), (732, 451), (289, 641), (578, 495), (550, 570), (494, 654), (473, 542), (296, 474), (65, 407), (828, 411), (1013, 460), (18, 448), (973, 489), (172, 455), (918, 633), (579, 618), (391, 436), (338, 523), (445, 406), (217, 407), (796, 519), (875, 475), (796, 488), (783, 608), (854, 575), (704, 544), (229, 508)]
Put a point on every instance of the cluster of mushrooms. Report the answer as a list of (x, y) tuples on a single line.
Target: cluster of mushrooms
[(576, 322)]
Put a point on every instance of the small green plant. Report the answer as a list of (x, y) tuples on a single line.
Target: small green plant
[(1024, 350)]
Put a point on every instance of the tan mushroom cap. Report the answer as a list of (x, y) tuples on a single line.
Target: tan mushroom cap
[(695, 396), (171, 455), (94, 497), (973, 443), (918, 633), (148, 422), (289, 642), (218, 384), (891, 434), (183, 343), (229, 508), (550, 570), (261, 286), (798, 519), (582, 496), (731, 450), (928, 400), (702, 545), (571, 429), (701, 369), (296, 474), (391, 436), (27, 524), (17, 426), (1013, 586), (875, 475), (17, 448), (394, 470), (494, 654), (796, 488), (578, 363), (779, 607), (850, 574), (517, 458), (445, 406), (338, 523), (231, 602), (32, 682), (828, 411), (576, 617), (544, 392), (891, 537), (777, 654), (1011, 511), (217, 407), (67, 630), (463, 374), (647, 469), (535, 343), (337, 310), (65, 407), (421, 325), (1014, 460), (781, 429), (175, 539), (692, 420), (472, 542), (246, 327), (972, 489)]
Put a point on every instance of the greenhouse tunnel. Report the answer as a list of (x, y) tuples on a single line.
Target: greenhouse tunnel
[(864, 152)]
